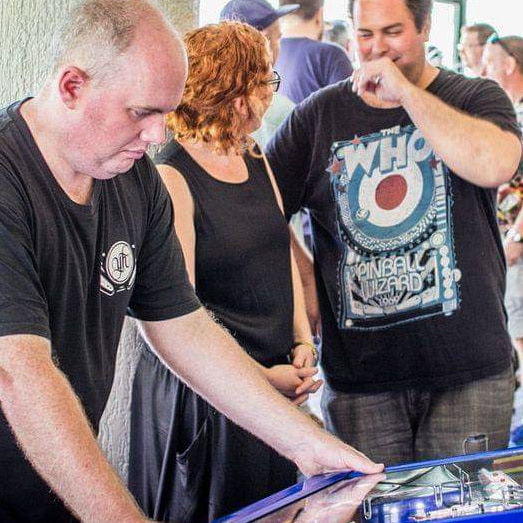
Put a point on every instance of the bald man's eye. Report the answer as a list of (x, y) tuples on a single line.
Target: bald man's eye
[(138, 114)]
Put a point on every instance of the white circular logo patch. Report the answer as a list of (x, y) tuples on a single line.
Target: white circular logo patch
[(119, 263)]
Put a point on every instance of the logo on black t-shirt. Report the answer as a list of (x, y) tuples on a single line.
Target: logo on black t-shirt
[(394, 221), (118, 268)]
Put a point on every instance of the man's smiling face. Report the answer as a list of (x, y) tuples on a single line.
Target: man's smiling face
[(386, 28)]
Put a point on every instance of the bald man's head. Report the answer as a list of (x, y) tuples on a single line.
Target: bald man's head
[(96, 32), (118, 68)]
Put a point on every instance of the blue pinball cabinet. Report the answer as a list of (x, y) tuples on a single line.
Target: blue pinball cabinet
[(485, 487)]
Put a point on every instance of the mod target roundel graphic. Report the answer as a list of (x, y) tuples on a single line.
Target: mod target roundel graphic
[(391, 191), (391, 198), (390, 210)]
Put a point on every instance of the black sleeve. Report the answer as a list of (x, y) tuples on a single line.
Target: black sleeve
[(490, 102), (162, 289), (289, 155), (23, 305)]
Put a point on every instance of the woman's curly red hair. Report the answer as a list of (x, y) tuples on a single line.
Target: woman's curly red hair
[(228, 60)]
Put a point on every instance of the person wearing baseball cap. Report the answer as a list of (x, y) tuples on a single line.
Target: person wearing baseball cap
[(261, 15), (258, 13)]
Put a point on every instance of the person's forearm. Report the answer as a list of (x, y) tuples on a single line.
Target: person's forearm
[(53, 432), (302, 329), (476, 150), (228, 379), (305, 267), (209, 360)]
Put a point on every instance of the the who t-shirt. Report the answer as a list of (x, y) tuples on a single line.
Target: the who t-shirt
[(408, 259), (394, 223)]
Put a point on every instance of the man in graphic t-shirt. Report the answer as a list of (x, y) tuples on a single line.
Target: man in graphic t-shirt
[(399, 167), (86, 235)]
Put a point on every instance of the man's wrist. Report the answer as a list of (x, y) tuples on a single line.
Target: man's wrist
[(408, 93)]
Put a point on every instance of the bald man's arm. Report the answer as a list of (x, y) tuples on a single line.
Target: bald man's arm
[(210, 361), (52, 430)]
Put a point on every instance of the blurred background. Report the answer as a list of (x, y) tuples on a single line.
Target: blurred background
[(26, 27)]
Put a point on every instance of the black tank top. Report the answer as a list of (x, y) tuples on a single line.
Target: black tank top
[(242, 259)]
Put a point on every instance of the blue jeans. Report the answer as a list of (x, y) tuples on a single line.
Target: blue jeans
[(413, 425)]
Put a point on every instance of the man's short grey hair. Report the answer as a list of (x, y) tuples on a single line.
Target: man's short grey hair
[(483, 31), (95, 32)]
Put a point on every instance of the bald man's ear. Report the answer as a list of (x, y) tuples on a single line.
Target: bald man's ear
[(71, 82)]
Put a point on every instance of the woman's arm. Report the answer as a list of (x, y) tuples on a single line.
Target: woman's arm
[(183, 204), (304, 353)]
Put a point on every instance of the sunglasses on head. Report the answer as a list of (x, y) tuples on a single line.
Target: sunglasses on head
[(494, 38)]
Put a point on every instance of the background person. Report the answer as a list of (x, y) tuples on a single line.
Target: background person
[(338, 32), (398, 168), (113, 436), (434, 56), (79, 247), (306, 63), (503, 62), (235, 241), (471, 44)]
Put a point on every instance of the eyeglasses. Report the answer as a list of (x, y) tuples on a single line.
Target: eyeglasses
[(274, 82), (461, 47), (494, 38)]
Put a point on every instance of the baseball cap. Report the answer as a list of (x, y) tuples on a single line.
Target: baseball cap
[(258, 13)]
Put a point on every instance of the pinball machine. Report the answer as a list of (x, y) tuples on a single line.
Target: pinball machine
[(485, 487)]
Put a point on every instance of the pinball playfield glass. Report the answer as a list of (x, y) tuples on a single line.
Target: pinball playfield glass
[(486, 488)]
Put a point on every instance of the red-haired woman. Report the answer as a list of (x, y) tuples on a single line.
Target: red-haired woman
[(187, 461)]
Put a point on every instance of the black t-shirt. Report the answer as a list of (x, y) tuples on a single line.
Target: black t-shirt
[(409, 263), (242, 256), (70, 272)]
